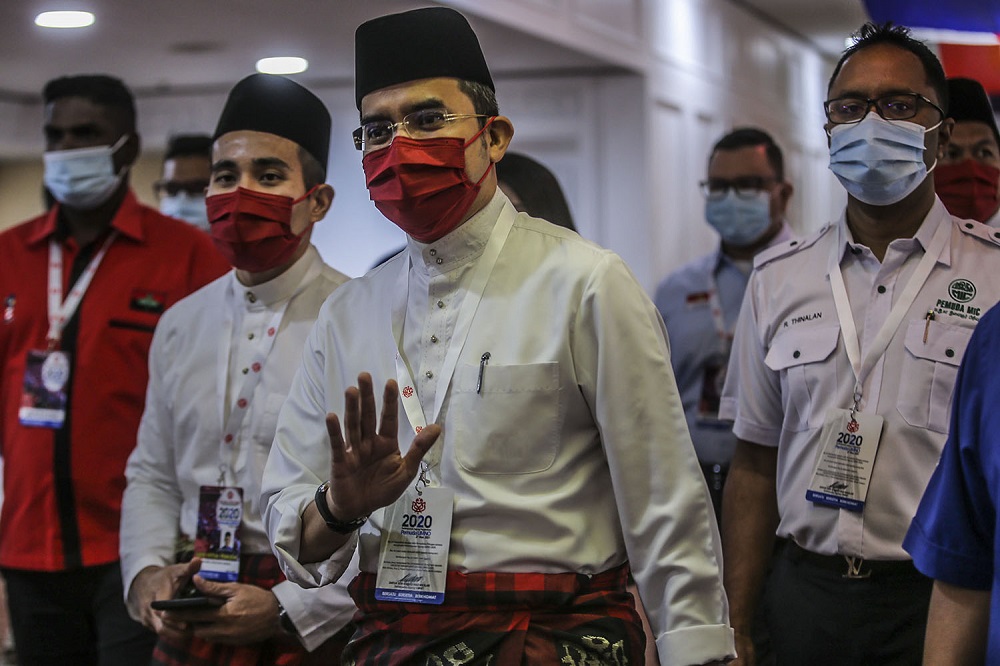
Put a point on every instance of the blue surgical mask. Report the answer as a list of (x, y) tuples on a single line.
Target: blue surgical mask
[(877, 161), (187, 207), (83, 178), (740, 221)]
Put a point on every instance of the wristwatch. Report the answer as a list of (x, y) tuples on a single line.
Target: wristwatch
[(338, 526), (285, 622)]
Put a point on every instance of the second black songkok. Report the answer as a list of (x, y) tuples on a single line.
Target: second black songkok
[(967, 100), (419, 44), (279, 106)]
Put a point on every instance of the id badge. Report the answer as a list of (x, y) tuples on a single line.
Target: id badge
[(712, 381), (43, 394), (844, 468), (413, 559), (217, 542)]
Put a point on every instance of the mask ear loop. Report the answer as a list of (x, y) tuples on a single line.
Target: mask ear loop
[(475, 138)]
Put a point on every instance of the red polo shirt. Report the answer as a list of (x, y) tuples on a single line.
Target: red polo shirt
[(63, 487)]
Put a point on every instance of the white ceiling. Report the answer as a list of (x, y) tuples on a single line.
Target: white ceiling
[(164, 45)]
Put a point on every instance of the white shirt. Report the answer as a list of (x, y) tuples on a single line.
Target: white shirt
[(575, 456), (191, 391), (789, 368)]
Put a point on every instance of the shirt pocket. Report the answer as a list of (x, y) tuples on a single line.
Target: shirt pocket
[(266, 422), (512, 425), (927, 378), (802, 357)]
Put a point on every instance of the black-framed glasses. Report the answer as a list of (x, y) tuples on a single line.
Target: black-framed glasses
[(418, 124), (745, 188), (899, 106)]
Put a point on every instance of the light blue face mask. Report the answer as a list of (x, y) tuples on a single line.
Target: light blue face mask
[(741, 222), (187, 207), (877, 161), (83, 178)]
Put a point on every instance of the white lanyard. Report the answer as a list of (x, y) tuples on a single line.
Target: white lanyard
[(61, 311), (227, 444), (863, 367), (718, 318), (470, 303)]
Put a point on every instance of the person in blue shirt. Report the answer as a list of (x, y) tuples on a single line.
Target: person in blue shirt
[(953, 537)]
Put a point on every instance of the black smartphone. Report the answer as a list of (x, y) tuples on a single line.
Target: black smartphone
[(188, 598)]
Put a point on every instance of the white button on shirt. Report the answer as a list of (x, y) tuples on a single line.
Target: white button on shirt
[(789, 368)]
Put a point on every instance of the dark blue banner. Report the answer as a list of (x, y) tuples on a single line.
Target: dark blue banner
[(970, 15)]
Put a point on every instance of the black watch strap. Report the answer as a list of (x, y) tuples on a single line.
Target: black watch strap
[(338, 526), (285, 622)]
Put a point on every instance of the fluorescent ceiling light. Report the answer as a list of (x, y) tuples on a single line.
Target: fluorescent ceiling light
[(282, 65), (66, 19)]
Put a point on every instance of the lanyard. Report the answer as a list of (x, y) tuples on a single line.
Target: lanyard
[(231, 427), (61, 311), (862, 367), (718, 319), (470, 304)]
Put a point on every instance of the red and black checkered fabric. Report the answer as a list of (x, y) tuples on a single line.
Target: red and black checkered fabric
[(262, 571), (500, 619)]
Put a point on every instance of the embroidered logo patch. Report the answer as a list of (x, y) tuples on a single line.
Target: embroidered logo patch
[(145, 300)]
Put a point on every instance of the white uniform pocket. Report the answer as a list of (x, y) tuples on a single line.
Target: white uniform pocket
[(512, 425), (800, 355), (927, 378)]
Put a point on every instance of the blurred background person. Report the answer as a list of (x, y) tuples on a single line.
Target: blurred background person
[(187, 166), (968, 176), (533, 189)]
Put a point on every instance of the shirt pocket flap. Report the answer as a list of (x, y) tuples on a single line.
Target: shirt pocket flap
[(945, 343), (797, 346)]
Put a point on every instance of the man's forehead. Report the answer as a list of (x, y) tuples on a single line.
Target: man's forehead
[(972, 131), (77, 111), (413, 94), (745, 160), (251, 144), (882, 69)]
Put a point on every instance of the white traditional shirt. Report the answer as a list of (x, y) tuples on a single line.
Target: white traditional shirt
[(200, 357), (572, 458), (685, 301), (789, 368)]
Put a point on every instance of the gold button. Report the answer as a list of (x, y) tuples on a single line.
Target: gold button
[(251, 297), (428, 374), (249, 336), (434, 338), (246, 370), (440, 304)]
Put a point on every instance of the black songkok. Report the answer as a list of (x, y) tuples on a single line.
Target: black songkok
[(279, 106), (419, 44), (967, 100)]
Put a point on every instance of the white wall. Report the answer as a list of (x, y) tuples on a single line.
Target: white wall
[(629, 149)]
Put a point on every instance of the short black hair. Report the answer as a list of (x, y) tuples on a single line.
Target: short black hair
[(484, 100), (537, 188), (872, 34), (189, 145), (98, 88), (749, 137), (313, 173)]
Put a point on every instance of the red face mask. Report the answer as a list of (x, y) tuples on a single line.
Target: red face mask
[(421, 185), (968, 189), (252, 229)]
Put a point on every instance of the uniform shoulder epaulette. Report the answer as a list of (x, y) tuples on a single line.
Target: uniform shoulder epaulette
[(979, 230), (789, 247)]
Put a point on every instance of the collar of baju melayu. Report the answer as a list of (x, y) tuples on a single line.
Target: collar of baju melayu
[(274, 291), (461, 246)]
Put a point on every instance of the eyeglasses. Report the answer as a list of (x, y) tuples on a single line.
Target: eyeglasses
[(745, 188), (174, 187), (901, 106), (379, 133)]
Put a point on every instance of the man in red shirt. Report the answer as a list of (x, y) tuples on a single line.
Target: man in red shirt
[(81, 290)]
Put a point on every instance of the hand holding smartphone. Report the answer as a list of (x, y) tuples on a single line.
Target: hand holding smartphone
[(188, 598)]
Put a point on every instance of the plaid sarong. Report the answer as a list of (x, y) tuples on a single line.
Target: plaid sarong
[(262, 571), (502, 619)]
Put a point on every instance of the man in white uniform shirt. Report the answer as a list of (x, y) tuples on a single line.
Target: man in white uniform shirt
[(535, 371), (844, 362), (220, 366)]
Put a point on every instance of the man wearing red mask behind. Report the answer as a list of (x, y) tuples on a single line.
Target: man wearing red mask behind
[(220, 366), (968, 176), (545, 469)]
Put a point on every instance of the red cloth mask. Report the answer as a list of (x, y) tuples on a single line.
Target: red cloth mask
[(253, 230), (421, 184), (968, 189)]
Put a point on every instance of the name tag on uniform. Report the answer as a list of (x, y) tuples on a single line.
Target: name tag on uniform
[(217, 542), (844, 468), (413, 559), (43, 394)]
